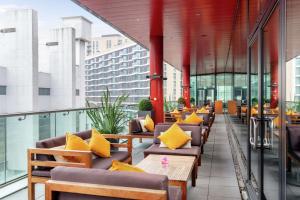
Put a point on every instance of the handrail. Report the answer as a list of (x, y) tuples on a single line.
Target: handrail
[(51, 111)]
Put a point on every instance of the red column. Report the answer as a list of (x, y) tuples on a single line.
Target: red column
[(274, 85), (186, 84), (156, 82)]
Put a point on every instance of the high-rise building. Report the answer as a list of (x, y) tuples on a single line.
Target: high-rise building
[(123, 69)]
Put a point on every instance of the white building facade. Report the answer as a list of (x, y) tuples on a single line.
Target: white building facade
[(123, 70)]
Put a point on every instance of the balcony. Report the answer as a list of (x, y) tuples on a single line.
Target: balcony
[(216, 175)]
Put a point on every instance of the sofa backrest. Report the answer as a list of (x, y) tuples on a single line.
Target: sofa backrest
[(196, 132), (58, 141), (135, 126), (293, 137), (106, 177)]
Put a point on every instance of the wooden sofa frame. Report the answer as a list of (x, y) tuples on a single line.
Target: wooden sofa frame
[(86, 158), (102, 190)]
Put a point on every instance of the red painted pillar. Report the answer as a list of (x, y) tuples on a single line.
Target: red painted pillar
[(156, 82), (186, 84), (274, 85)]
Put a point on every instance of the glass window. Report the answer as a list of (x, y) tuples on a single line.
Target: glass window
[(44, 91), (2, 90)]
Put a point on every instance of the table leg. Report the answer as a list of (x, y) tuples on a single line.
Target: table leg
[(183, 186)]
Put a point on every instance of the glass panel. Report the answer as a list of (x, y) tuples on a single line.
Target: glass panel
[(270, 107), (254, 101), (17, 143), (2, 149), (224, 87), (292, 97), (67, 122)]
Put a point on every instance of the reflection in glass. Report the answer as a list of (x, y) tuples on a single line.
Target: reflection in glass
[(293, 97)]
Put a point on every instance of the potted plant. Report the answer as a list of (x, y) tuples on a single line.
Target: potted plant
[(181, 102), (145, 108), (109, 117), (192, 100)]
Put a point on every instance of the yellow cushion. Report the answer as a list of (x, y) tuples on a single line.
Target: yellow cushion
[(174, 137), (74, 142), (99, 145), (179, 120), (193, 119), (175, 111), (149, 124), (121, 166), (202, 110)]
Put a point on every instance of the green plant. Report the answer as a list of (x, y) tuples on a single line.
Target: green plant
[(145, 105), (109, 117), (168, 105), (181, 100), (254, 101), (192, 100)]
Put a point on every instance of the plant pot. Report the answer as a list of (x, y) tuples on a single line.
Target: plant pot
[(114, 140), (145, 113)]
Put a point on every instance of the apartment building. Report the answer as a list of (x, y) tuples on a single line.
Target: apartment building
[(123, 69)]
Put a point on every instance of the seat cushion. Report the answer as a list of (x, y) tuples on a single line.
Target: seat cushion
[(106, 177), (155, 149), (41, 173), (174, 193), (105, 163)]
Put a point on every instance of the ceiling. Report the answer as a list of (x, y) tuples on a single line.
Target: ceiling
[(199, 33)]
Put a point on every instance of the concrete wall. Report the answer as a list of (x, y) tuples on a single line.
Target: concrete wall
[(19, 55), (62, 68), (3, 82), (20, 58), (44, 102)]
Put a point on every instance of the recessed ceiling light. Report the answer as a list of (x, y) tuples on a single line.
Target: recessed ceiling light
[(197, 14), (138, 19)]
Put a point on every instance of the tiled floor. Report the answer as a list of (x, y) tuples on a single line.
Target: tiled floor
[(216, 177)]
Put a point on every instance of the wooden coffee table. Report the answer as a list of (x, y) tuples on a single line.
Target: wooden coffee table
[(179, 170)]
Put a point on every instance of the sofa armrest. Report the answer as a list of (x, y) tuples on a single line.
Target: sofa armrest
[(102, 190), (127, 144), (32, 162)]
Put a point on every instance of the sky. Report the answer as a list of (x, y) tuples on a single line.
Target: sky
[(50, 13)]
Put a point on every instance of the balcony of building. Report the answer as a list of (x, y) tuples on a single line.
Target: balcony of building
[(239, 62)]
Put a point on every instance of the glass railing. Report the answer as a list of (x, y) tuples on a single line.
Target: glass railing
[(21, 131)]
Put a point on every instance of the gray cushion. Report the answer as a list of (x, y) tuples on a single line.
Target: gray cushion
[(106, 177), (42, 173), (196, 132), (155, 149), (105, 163)]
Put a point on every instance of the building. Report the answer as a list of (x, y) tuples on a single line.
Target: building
[(123, 70), (62, 86), (23, 88), (99, 45)]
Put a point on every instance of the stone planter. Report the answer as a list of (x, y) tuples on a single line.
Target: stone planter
[(145, 113)]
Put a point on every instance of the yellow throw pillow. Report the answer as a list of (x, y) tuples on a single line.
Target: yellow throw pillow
[(99, 145), (174, 137), (121, 166), (149, 124), (74, 142), (179, 120), (193, 119), (202, 110), (175, 111)]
